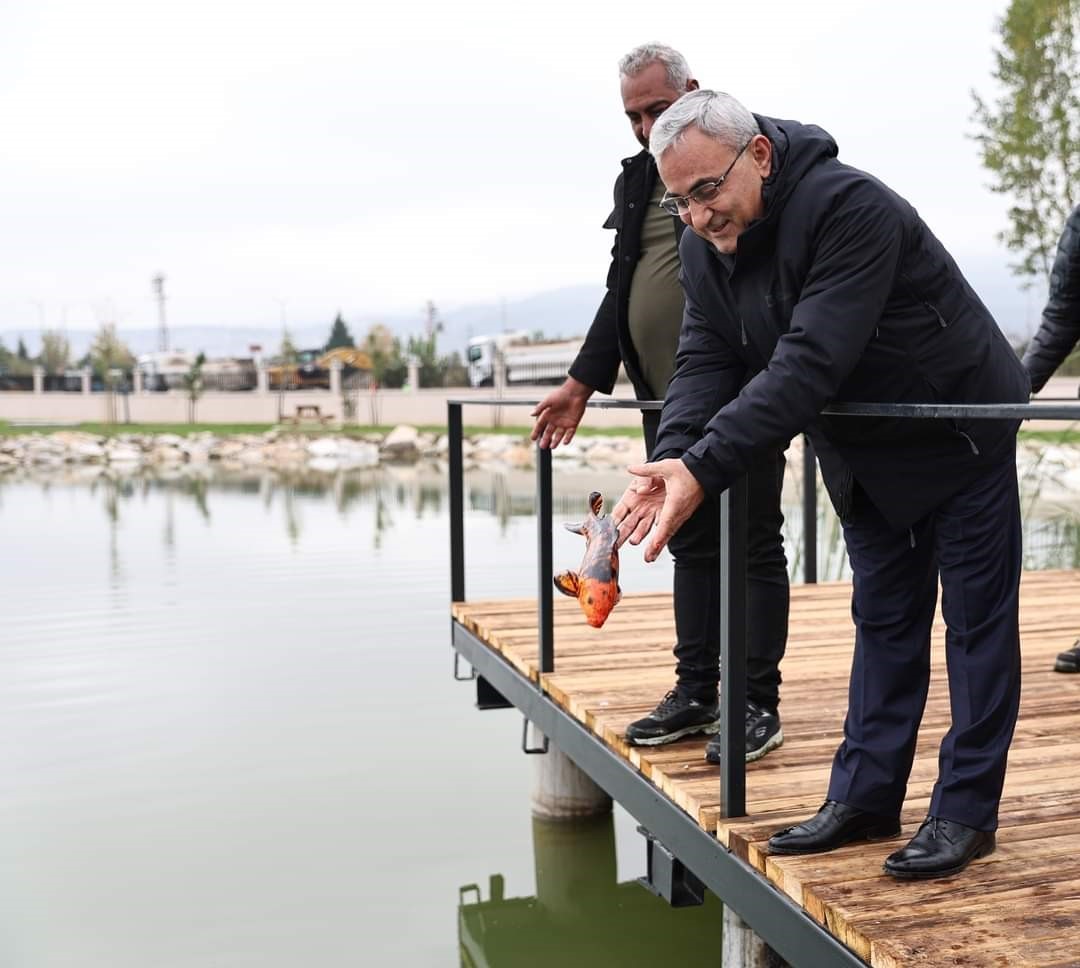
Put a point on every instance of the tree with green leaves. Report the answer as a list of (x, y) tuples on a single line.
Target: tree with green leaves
[(289, 353), (454, 371), (430, 369), (21, 352), (194, 384), (388, 367), (1029, 137), (55, 351), (108, 352), (339, 335)]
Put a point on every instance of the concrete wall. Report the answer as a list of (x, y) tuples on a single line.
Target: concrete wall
[(388, 407)]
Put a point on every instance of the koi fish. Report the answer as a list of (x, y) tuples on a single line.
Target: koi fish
[(596, 586)]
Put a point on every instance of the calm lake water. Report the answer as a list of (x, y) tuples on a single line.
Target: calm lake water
[(229, 734)]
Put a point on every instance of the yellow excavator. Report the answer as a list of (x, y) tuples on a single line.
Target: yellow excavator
[(311, 371)]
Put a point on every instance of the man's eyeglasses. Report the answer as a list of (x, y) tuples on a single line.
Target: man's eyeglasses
[(703, 194)]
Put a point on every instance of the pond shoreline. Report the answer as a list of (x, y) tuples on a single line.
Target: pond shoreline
[(280, 449), (1045, 466)]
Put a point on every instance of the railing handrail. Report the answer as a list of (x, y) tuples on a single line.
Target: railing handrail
[(1051, 408), (732, 539)]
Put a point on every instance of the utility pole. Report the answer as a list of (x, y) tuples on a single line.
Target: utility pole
[(163, 330)]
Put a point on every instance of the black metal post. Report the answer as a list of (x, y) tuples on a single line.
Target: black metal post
[(809, 512), (733, 510), (457, 502), (545, 609)]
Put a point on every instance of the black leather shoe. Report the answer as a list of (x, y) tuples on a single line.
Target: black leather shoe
[(1069, 660), (940, 848), (834, 825)]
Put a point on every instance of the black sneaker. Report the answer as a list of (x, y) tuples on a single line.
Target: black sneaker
[(1069, 661), (679, 714), (763, 733)]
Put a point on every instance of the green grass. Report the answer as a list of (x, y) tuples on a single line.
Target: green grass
[(1065, 436), (226, 430), (1068, 436)]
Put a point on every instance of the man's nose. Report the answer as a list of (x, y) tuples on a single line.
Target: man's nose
[(646, 127), (699, 215)]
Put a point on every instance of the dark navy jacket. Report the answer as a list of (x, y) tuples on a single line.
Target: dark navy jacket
[(839, 292), (1060, 327)]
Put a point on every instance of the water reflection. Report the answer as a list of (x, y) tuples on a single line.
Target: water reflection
[(226, 699), (385, 493), (580, 914)]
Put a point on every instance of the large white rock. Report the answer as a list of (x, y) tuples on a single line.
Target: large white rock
[(324, 447), (227, 450), (85, 450), (357, 453), (123, 454), (520, 457), (401, 444), (164, 454)]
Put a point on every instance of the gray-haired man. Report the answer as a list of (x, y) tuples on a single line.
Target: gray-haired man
[(638, 324), (808, 281)]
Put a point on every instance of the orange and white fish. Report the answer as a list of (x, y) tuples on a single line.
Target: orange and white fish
[(596, 586)]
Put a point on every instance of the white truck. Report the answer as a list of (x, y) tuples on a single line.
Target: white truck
[(525, 360)]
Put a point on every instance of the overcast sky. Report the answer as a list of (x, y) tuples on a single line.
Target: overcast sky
[(312, 156)]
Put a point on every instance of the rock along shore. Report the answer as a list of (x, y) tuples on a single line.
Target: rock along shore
[(283, 450), (1051, 469)]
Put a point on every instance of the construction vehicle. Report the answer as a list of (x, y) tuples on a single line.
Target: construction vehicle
[(311, 370), (525, 360)]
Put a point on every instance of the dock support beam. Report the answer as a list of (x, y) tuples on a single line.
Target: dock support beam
[(742, 948), (563, 791)]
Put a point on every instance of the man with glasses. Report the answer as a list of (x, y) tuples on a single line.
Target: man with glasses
[(809, 282), (638, 323)]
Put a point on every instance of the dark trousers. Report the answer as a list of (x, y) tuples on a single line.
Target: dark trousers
[(973, 543), (695, 548)]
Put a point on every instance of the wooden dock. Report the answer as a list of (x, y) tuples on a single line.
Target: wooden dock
[(1020, 906)]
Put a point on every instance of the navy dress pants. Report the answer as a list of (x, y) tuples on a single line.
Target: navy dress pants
[(695, 548), (972, 542)]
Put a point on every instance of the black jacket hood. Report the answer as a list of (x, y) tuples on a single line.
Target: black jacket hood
[(796, 149)]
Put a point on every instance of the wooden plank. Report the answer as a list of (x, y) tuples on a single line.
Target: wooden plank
[(1020, 906)]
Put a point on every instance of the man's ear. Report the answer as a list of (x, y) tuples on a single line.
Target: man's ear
[(692, 85), (761, 150)]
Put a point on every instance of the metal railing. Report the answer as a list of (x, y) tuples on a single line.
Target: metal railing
[(733, 514)]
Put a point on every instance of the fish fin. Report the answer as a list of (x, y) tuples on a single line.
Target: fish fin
[(568, 582), (596, 503), (575, 528)]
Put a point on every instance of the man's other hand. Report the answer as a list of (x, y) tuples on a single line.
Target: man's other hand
[(637, 510), (559, 413), (682, 497)]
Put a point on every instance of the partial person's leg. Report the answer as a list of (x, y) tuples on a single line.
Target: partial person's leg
[(767, 591), (979, 547), (767, 603), (894, 592), (691, 707)]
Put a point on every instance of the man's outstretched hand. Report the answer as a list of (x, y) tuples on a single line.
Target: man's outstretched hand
[(665, 495), (559, 413), (638, 509)]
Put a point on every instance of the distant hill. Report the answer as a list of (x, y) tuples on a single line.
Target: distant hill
[(559, 312), (564, 312)]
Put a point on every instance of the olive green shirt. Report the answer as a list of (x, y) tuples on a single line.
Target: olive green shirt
[(656, 298)]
